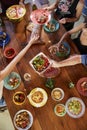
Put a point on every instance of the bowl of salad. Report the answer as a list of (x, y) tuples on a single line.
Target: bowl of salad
[(40, 63), (75, 107)]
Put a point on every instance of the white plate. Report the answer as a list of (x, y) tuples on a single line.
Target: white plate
[(71, 107), (41, 98), (30, 119)]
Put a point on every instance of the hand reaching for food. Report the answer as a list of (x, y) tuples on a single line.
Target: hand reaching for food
[(62, 21)]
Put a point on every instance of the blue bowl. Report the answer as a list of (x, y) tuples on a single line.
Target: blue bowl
[(65, 53), (7, 39), (54, 23), (12, 81)]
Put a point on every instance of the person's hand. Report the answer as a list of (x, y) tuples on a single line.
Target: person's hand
[(54, 63), (54, 48), (48, 9), (21, 3), (34, 39), (62, 21)]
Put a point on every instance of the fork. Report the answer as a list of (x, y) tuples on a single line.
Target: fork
[(3, 44)]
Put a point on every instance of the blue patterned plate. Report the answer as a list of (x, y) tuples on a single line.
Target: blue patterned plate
[(12, 81), (7, 39)]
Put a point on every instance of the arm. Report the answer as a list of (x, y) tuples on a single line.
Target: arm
[(74, 30), (73, 60), (12, 64), (21, 2), (53, 6), (55, 47)]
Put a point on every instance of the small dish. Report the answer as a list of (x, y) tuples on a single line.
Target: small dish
[(64, 50), (51, 26), (57, 94), (19, 98), (12, 81), (23, 120), (60, 110), (82, 86), (9, 53), (27, 77)]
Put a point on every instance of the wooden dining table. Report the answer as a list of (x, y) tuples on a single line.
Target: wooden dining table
[(44, 117)]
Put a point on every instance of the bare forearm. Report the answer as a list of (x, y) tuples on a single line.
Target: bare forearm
[(12, 64), (66, 34), (54, 5), (73, 60)]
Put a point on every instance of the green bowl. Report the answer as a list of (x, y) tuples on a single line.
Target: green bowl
[(52, 22), (12, 81), (64, 54)]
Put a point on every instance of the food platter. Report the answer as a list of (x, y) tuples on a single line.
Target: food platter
[(40, 16), (82, 86), (57, 94), (60, 110), (40, 63), (12, 81), (75, 107), (5, 39), (15, 12), (37, 97), (23, 120)]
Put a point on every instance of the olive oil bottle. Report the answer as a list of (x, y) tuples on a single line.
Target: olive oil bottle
[(34, 6)]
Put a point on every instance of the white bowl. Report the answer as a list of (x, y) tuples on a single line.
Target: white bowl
[(57, 94), (60, 110), (30, 120)]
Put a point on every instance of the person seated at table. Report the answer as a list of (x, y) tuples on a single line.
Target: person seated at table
[(80, 41), (68, 11), (72, 60), (7, 3), (12, 64), (84, 11)]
